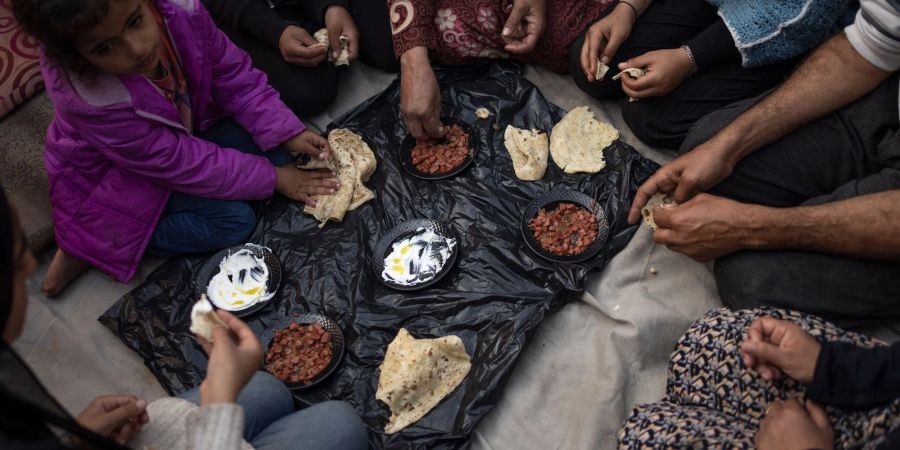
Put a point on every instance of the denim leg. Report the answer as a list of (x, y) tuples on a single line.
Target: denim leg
[(323, 426), (265, 401), (229, 134), (193, 225)]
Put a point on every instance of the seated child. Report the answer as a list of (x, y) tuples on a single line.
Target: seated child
[(162, 133)]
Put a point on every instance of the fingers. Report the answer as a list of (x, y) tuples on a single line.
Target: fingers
[(818, 415), (586, 64), (134, 408), (612, 45), (664, 180), (237, 326), (353, 45), (433, 127), (307, 56), (765, 353), (334, 42), (514, 21), (414, 125), (595, 45)]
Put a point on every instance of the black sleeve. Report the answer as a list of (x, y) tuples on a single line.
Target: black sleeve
[(321, 5), (253, 17), (848, 376), (714, 46)]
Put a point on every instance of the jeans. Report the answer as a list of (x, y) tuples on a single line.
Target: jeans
[(271, 422), (192, 224)]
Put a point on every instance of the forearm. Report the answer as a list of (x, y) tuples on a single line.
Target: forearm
[(833, 76), (867, 227), (639, 5), (853, 377)]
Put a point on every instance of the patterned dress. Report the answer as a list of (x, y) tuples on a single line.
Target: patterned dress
[(457, 31), (714, 401)]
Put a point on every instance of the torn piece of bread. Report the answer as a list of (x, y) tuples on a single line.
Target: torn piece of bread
[(353, 162), (528, 150), (601, 71), (578, 140), (633, 72), (658, 199), (343, 58), (204, 319), (482, 113)]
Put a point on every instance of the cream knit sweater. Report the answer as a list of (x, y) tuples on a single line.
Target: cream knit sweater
[(177, 424)]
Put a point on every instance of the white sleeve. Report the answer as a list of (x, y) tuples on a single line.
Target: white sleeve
[(875, 34)]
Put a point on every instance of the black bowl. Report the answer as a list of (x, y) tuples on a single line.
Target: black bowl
[(550, 200), (410, 142), (403, 231), (337, 344), (211, 268)]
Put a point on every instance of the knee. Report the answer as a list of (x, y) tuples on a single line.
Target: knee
[(347, 427), (653, 122), (741, 280), (265, 387), (236, 224)]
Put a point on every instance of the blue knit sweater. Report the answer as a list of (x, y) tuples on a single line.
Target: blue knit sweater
[(776, 30)]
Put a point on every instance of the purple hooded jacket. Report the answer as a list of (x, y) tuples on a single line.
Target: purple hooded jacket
[(116, 149)]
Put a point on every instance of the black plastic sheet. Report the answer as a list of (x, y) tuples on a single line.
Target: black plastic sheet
[(494, 299)]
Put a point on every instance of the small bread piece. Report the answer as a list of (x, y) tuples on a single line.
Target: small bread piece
[(529, 150), (343, 58), (204, 319), (482, 113), (601, 71), (658, 199), (578, 140), (633, 72)]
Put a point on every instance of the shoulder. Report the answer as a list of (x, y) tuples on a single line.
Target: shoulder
[(96, 90), (183, 5)]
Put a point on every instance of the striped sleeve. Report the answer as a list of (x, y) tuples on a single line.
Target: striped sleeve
[(875, 34)]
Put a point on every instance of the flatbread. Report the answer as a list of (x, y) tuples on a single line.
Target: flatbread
[(354, 163), (343, 58), (417, 374), (204, 318), (578, 140), (601, 71), (658, 199), (482, 113), (528, 150), (633, 72)]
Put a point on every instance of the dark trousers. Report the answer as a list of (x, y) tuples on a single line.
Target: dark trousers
[(309, 90), (852, 152), (664, 121), (192, 224)]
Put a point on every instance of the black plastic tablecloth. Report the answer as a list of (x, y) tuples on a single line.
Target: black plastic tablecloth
[(494, 299)]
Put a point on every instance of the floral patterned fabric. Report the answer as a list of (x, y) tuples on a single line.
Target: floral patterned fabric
[(20, 76), (714, 401), (457, 31)]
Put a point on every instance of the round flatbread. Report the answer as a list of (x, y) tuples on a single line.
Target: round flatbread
[(578, 140)]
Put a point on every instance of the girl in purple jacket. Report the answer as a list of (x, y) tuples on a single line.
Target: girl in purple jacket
[(163, 132)]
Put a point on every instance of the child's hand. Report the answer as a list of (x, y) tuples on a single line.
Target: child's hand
[(303, 185), (234, 356), (604, 38), (339, 23), (298, 47), (666, 69), (773, 347), (310, 143)]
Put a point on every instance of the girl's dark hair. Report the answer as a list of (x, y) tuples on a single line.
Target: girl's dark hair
[(58, 23), (7, 263)]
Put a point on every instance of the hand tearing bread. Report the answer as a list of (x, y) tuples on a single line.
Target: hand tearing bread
[(658, 199), (353, 162), (343, 58), (601, 71)]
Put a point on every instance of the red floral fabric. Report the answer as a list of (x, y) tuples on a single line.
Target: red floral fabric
[(456, 31), (20, 74)]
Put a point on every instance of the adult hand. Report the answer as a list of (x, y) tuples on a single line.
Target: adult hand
[(772, 347), (420, 95), (524, 26), (339, 23), (686, 176), (298, 47), (665, 70), (234, 356), (604, 38), (788, 425), (115, 416), (705, 228)]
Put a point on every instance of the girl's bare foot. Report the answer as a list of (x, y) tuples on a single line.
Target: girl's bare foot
[(63, 270)]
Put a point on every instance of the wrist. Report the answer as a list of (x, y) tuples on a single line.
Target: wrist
[(210, 394), (414, 58), (691, 62), (625, 8)]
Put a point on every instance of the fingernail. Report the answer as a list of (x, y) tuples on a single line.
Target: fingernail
[(604, 59), (141, 404), (332, 191), (334, 55), (623, 65), (506, 31)]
